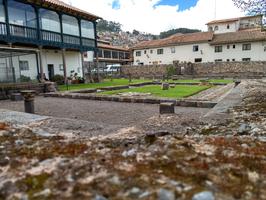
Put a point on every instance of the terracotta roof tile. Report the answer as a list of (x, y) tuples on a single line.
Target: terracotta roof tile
[(176, 40), (240, 36), (60, 5), (106, 46), (231, 19)]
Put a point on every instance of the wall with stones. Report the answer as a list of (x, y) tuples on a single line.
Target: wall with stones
[(219, 69)]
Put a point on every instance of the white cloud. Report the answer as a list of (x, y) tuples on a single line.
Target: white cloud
[(144, 16)]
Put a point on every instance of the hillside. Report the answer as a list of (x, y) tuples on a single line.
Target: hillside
[(112, 32)]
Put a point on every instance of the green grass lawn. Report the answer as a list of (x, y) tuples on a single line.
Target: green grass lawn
[(198, 81), (105, 83), (179, 91)]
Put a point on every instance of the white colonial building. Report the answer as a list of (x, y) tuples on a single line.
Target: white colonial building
[(43, 38), (238, 39)]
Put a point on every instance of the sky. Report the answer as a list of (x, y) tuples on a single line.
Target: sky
[(155, 16)]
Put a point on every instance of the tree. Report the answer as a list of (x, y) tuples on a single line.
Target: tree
[(168, 33), (253, 7)]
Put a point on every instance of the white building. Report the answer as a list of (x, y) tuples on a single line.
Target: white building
[(43, 38), (238, 39)]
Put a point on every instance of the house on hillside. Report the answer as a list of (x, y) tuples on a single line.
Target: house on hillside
[(43, 38), (229, 40)]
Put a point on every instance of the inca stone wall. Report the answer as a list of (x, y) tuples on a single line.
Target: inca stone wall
[(220, 69)]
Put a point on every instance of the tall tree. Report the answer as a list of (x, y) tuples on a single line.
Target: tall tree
[(253, 7)]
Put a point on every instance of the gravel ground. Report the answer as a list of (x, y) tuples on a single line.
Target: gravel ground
[(111, 113)]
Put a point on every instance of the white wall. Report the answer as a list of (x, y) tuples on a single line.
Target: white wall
[(73, 61), (206, 52), (222, 27)]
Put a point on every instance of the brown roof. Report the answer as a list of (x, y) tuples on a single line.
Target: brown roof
[(231, 19), (240, 36), (106, 46), (61, 6), (176, 39)]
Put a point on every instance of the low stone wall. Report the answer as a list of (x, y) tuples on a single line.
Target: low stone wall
[(8, 88), (219, 69), (147, 71)]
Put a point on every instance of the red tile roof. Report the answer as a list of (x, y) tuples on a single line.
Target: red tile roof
[(177, 39), (240, 36), (106, 46), (231, 19), (61, 6)]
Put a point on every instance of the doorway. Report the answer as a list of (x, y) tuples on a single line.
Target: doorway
[(50, 71)]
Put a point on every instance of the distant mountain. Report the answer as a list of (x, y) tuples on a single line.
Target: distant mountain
[(171, 32)]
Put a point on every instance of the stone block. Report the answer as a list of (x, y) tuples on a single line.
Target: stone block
[(165, 86), (167, 108), (16, 97)]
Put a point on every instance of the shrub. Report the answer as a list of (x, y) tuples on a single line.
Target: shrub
[(24, 79), (59, 79), (170, 71)]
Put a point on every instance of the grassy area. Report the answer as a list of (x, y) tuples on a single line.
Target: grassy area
[(116, 82), (179, 91), (105, 83), (198, 81)]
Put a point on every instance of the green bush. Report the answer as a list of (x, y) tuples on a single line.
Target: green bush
[(59, 79), (170, 71), (24, 79)]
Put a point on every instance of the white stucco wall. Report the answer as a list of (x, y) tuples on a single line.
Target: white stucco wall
[(73, 62), (206, 52), (222, 27), (54, 57)]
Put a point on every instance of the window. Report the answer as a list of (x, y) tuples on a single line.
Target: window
[(233, 60), (228, 26), (138, 53), (87, 29), (151, 51), (227, 60), (159, 51), (24, 65), (100, 53), (70, 25), (228, 46), (21, 14), (196, 48), (107, 54), (198, 60), (210, 29), (246, 47), (145, 51), (234, 46), (2, 12), (216, 28), (218, 49), (218, 60), (114, 54), (49, 20), (61, 67), (246, 59), (172, 49)]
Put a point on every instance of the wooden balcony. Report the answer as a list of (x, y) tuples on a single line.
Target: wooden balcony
[(27, 35)]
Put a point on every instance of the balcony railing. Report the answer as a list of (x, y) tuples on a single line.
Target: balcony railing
[(88, 42), (2, 28), (23, 32), (30, 35), (50, 36), (70, 39)]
